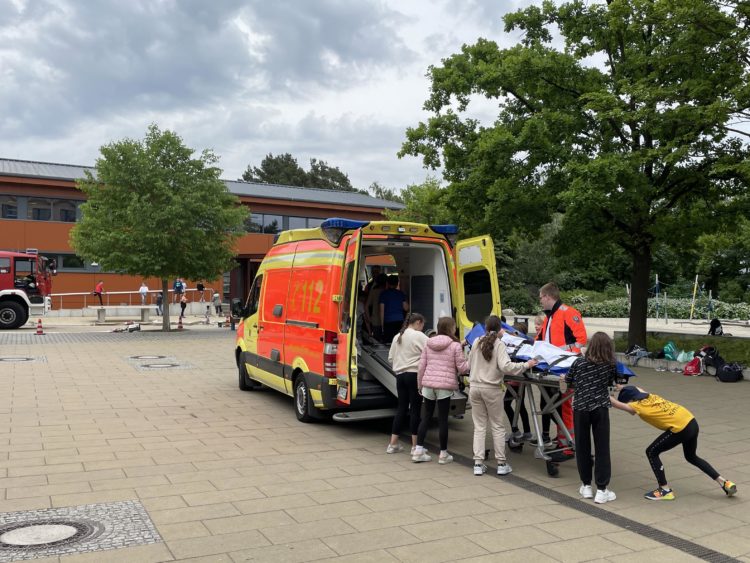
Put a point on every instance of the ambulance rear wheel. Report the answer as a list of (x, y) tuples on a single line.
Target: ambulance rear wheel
[(245, 383), (302, 403)]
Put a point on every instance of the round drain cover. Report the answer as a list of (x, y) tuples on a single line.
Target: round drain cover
[(17, 359), (37, 534), (147, 357), (159, 366), (40, 535)]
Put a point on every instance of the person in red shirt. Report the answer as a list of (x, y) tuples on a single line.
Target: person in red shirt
[(563, 327), (98, 292)]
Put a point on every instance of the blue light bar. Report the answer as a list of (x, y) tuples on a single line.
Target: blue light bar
[(445, 229), (346, 224)]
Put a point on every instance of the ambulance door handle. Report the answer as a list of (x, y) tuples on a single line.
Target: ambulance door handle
[(260, 327)]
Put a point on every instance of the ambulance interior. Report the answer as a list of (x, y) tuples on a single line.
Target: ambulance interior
[(423, 275)]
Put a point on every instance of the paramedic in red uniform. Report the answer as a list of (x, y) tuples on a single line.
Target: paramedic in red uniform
[(563, 327)]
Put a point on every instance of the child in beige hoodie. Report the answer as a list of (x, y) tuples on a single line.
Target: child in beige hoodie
[(489, 361)]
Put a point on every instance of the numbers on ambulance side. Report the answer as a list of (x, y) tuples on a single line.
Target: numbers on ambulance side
[(306, 296)]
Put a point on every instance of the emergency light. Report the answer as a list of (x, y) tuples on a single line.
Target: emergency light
[(334, 228)]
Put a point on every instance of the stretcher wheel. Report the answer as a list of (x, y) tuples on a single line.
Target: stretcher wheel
[(552, 469)]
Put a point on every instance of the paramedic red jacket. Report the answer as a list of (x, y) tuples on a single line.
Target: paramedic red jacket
[(566, 328)]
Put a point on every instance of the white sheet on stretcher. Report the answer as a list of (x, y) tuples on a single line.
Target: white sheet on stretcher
[(542, 351)]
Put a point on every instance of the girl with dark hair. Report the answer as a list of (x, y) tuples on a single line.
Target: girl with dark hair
[(441, 362), (404, 355), (591, 377), (489, 362)]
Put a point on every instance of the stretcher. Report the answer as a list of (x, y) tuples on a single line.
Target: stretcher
[(544, 379)]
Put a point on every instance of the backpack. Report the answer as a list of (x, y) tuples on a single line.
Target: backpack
[(711, 358), (693, 367), (729, 373)]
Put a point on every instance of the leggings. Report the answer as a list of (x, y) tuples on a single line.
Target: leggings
[(409, 402), (587, 424), (688, 437), (508, 404), (444, 407)]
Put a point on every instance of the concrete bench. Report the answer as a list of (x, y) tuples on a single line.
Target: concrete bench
[(101, 311)]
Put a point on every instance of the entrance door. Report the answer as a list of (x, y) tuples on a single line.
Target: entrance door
[(476, 279)]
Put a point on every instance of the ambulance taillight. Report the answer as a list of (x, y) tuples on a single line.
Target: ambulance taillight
[(330, 348)]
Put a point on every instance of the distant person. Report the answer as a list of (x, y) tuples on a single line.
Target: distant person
[(159, 303), (201, 290), (178, 288), (98, 290), (144, 293), (679, 426), (372, 307), (183, 305), (393, 307), (715, 329), (217, 303)]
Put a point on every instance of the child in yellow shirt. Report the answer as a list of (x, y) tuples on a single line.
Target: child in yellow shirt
[(679, 426)]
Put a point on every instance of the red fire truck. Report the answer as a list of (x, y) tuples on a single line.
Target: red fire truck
[(25, 283)]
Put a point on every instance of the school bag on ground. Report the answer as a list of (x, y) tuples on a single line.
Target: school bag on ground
[(693, 367), (729, 373), (711, 359)]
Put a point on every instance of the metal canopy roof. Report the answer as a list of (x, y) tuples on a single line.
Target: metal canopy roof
[(70, 172)]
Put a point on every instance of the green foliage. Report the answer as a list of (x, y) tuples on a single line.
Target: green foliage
[(155, 210), (731, 349), (520, 299), (630, 151), (424, 203), (284, 169), (676, 309), (379, 191)]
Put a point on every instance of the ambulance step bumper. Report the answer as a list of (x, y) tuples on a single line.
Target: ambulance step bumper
[(357, 416)]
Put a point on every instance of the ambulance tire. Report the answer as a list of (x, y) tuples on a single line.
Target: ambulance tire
[(303, 407)]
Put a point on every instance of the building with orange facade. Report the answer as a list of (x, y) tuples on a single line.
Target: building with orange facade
[(39, 204)]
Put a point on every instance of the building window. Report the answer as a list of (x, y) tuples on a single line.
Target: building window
[(71, 262), (65, 211), (39, 209), (254, 223), (313, 222), (272, 223), (8, 207), (297, 222)]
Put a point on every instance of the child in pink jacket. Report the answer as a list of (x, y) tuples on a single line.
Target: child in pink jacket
[(441, 362)]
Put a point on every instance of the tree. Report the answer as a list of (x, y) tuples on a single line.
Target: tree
[(282, 169), (325, 177), (424, 203), (381, 192), (626, 150), (155, 210)]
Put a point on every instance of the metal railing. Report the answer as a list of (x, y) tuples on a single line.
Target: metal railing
[(81, 300)]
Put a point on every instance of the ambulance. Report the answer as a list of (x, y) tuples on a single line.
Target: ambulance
[(298, 334)]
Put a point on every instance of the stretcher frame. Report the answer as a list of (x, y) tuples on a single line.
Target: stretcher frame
[(548, 385)]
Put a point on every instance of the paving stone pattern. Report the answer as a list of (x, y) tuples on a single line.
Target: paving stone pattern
[(227, 475), (113, 525)]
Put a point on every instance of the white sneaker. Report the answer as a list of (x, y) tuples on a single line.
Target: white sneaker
[(604, 496), (586, 491), (391, 449), (480, 469), (503, 469), (420, 455), (443, 459)]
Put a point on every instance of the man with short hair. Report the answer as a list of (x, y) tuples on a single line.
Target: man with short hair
[(393, 307), (563, 327)]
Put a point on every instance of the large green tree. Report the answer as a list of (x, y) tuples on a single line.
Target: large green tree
[(627, 127), (154, 209), (285, 170)]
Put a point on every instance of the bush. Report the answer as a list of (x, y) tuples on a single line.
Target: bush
[(676, 309), (520, 300)]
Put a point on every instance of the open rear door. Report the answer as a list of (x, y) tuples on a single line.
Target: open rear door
[(346, 353), (476, 282)]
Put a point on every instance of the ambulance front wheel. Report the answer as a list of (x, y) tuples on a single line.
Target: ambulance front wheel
[(302, 404)]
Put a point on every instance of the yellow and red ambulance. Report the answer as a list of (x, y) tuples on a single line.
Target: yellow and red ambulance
[(297, 334)]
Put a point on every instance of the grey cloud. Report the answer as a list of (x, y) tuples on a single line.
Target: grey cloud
[(99, 59)]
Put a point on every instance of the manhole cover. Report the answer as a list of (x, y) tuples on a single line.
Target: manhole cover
[(147, 357), (19, 359), (161, 366), (44, 534)]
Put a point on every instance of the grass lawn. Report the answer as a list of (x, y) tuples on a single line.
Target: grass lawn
[(730, 348)]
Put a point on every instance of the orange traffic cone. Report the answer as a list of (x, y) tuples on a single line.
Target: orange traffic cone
[(39, 329), (179, 323), (228, 321)]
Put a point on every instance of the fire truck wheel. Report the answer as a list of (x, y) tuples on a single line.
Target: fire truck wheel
[(302, 403), (12, 315)]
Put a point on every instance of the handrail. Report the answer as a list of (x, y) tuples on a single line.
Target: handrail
[(86, 295)]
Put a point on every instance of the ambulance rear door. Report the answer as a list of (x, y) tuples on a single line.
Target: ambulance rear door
[(478, 290), (346, 354)]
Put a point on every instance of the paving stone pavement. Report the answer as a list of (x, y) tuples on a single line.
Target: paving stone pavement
[(232, 476)]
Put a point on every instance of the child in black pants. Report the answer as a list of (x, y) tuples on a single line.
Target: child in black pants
[(591, 377)]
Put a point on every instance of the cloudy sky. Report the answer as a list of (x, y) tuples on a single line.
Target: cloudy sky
[(337, 80)]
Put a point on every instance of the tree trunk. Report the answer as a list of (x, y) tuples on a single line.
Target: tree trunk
[(639, 280), (165, 306)]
